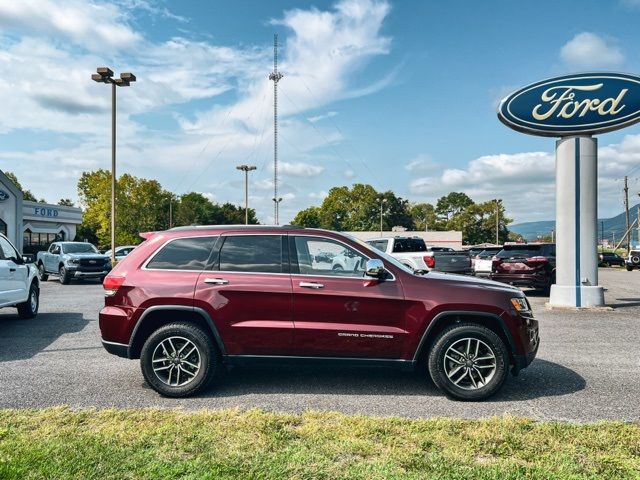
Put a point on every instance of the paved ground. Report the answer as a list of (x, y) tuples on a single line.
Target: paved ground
[(588, 368)]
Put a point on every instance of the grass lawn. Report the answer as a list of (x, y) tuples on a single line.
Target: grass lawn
[(60, 443)]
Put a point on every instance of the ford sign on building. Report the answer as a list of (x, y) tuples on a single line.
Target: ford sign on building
[(575, 107)]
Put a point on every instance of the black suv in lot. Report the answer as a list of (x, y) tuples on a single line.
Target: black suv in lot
[(608, 259), (530, 265)]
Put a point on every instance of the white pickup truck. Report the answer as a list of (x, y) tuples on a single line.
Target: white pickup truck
[(19, 285), (414, 253)]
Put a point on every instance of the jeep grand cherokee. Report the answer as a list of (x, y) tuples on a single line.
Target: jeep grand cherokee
[(191, 299)]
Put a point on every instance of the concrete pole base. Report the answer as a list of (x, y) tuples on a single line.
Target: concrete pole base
[(565, 296)]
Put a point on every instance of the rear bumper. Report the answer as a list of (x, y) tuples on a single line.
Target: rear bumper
[(522, 279), (119, 349)]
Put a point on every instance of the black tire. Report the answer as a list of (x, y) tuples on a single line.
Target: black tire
[(205, 348), (338, 268), (64, 275), (450, 336), (29, 309), (629, 268), (42, 275)]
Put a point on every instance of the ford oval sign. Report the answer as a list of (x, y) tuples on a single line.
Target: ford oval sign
[(581, 104)]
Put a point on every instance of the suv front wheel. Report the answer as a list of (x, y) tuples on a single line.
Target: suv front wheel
[(178, 360), (468, 362)]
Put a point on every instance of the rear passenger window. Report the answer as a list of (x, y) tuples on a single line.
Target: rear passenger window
[(252, 253), (183, 254)]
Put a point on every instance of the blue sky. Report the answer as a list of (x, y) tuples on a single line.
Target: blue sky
[(399, 94)]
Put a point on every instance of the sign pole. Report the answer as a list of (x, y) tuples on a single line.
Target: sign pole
[(576, 224)]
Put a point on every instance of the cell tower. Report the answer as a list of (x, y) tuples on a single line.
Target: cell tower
[(275, 76)]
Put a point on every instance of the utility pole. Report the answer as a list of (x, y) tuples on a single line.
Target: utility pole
[(602, 233), (638, 245), (170, 212), (626, 206), (275, 76), (246, 169), (382, 202)]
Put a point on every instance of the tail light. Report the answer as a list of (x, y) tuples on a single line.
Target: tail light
[(430, 261), (537, 260), (111, 284)]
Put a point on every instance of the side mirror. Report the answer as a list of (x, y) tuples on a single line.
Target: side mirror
[(374, 268)]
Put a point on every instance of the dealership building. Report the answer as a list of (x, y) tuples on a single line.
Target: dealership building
[(32, 226)]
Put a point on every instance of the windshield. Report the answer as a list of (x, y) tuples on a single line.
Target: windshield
[(385, 256), (78, 248)]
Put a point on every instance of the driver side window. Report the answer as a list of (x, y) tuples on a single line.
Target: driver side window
[(7, 251), (321, 256)]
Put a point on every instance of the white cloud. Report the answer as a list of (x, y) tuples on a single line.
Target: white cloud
[(349, 174), (324, 116), (526, 181), (423, 163), (318, 195), (95, 26), (588, 50), (48, 52), (299, 169)]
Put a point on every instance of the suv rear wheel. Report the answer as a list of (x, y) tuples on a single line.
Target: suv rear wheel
[(178, 360), (468, 362)]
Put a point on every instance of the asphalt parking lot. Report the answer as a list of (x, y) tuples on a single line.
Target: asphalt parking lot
[(588, 368)]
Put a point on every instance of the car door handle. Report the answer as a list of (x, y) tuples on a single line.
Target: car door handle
[(311, 285), (216, 281), (12, 269)]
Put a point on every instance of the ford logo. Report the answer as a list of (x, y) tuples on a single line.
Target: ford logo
[(3, 195), (92, 261), (580, 104)]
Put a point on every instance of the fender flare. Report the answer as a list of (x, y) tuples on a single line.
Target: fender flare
[(184, 308), (443, 316)]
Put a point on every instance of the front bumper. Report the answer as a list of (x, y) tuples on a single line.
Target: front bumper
[(84, 274)]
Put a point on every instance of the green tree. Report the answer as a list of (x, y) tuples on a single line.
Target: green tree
[(357, 209), (141, 205), (309, 218), (451, 205), (478, 223), (424, 216), (65, 202), (25, 193), (193, 209)]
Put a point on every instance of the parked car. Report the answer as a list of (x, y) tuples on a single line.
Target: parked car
[(192, 299), (483, 261), (530, 265), (608, 259), (72, 260), (121, 252), (414, 253), (19, 285), (633, 260)]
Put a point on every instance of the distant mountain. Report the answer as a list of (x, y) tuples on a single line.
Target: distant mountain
[(617, 225)]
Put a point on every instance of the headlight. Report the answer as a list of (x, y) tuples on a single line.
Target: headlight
[(74, 261), (520, 304)]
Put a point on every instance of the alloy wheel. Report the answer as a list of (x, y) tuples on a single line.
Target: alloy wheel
[(470, 363), (176, 361)]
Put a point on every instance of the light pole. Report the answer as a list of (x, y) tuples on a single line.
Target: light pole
[(246, 169), (105, 75), (498, 202), (276, 202), (382, 202)]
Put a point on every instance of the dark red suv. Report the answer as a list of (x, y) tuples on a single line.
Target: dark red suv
[(189, 300), (526, 265)]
